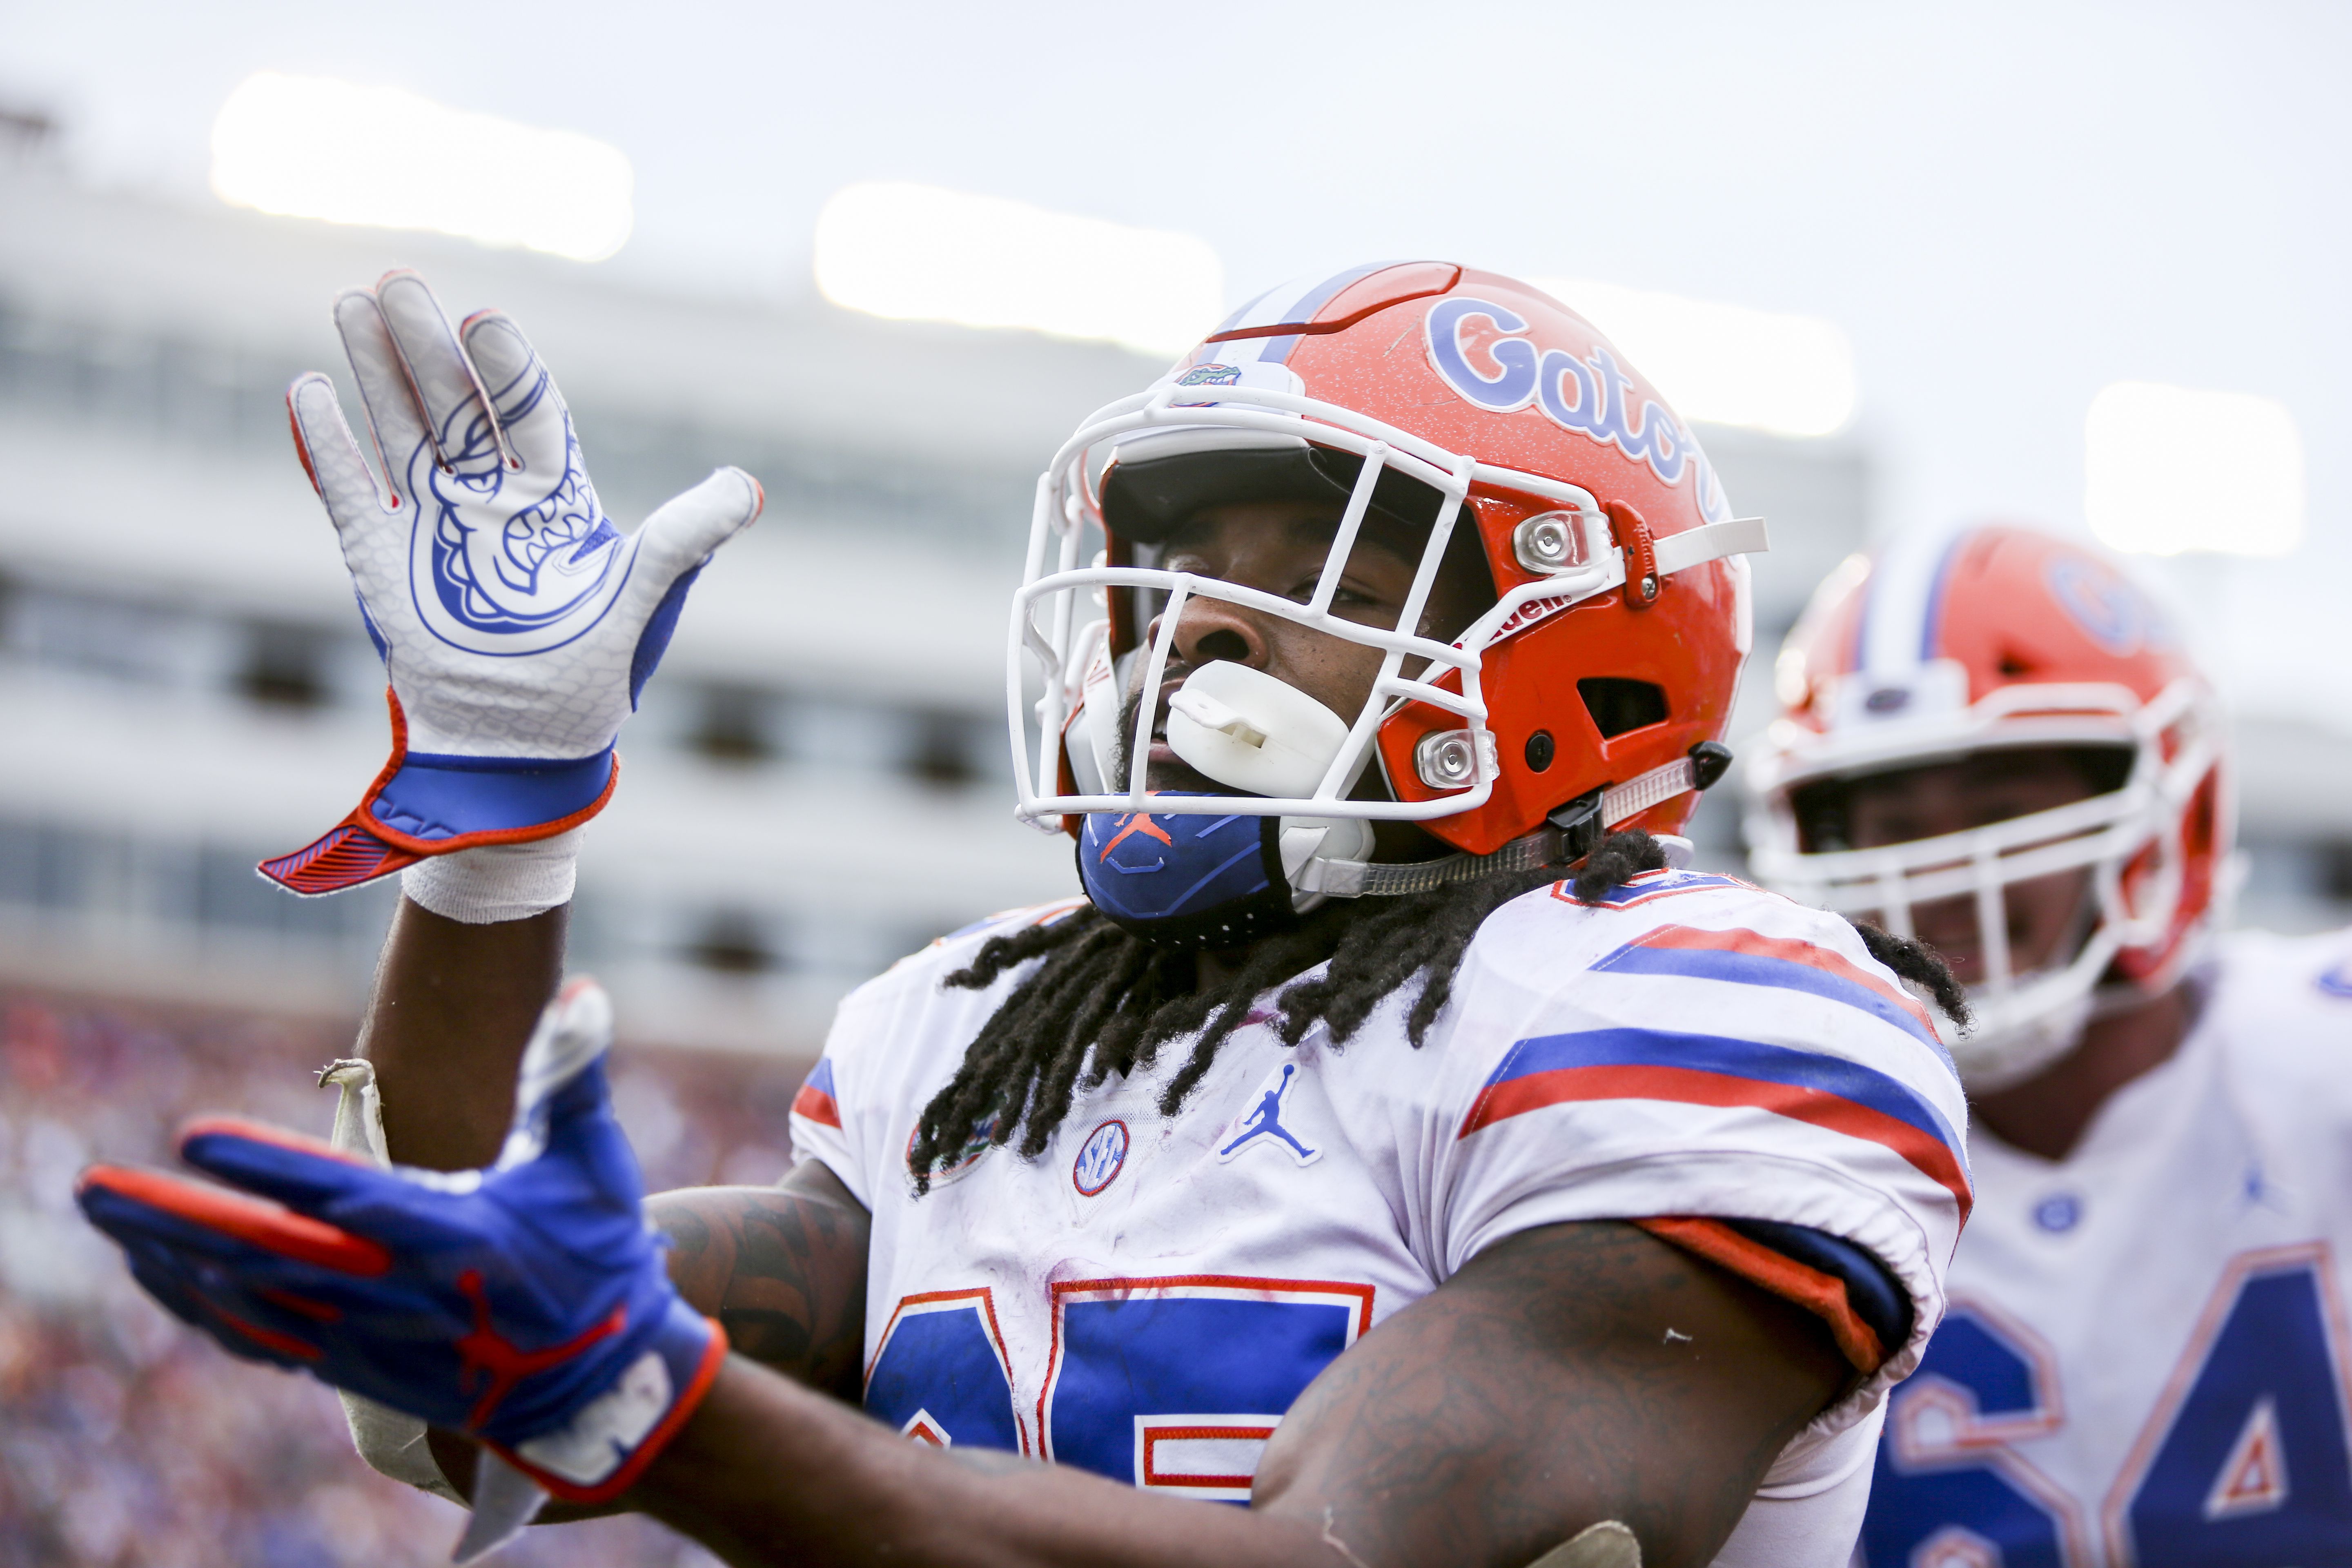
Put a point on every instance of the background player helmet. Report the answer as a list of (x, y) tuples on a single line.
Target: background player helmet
[(1456, 400), (1999, 637)]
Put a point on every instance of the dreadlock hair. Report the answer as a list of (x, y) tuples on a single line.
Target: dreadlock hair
[(1105, 1001), (1919, 963)]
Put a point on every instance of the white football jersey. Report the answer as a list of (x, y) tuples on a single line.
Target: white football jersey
[(2145, 1358), (1149, 1296)]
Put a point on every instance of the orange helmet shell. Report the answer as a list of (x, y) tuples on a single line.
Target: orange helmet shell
[(1483, 366), (2011, 606), (2003, 637)]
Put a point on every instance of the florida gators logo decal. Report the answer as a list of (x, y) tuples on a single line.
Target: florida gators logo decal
[(1486, 354), (1232, 369), (2109, 610), (982, 1140)]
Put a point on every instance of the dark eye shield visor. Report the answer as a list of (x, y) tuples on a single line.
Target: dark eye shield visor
[(1144, 499)]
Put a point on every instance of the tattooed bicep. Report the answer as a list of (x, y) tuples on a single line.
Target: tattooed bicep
[(782, 1269)]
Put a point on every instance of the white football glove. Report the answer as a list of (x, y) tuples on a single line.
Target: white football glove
[(517, 624)]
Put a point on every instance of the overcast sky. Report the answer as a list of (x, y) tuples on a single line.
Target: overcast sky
[(2005, 206)]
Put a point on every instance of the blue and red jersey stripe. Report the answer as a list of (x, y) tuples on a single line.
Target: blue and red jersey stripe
[(1744, 957), (1824, 1091), (1649, 885), (815, 1099)]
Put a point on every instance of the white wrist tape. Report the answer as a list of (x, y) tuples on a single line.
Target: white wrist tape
[(392, 1442), (499, 882)]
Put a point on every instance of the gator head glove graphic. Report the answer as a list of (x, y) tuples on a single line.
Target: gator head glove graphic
[(516, 623), (526, 1304)]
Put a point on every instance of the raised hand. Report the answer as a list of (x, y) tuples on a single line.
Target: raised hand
[(517, 624), (527, 1304)]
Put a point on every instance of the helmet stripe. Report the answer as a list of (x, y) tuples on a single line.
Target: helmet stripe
[(1278, 350), (1240, 316), (1931, 618), (1859, 639), (1898, 620), (1296, 300)]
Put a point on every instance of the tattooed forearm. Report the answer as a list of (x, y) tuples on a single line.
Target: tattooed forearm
[(782, 1268), (1545, 1393)]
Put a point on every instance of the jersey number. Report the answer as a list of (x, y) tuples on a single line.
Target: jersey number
[(1947, 1492), (2244, 1464), (941, 1375), (1173, 1382)]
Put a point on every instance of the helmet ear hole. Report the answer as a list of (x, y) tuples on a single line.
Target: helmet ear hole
[(1620, 706)]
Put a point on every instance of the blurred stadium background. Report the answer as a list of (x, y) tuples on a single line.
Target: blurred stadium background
[(818, 782)]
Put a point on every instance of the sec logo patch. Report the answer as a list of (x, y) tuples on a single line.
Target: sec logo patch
[(1100, 1158)]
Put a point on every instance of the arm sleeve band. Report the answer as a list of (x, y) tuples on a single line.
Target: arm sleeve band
[(1867, 1312)]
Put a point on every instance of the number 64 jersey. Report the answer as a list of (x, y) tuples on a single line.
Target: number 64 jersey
[(1148, 1296), (2143, 1363)]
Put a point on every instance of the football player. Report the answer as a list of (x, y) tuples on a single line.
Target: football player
[(1391, 1139), (1997, 743)]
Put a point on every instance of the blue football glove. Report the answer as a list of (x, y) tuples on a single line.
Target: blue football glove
[(527, 1304), (516, 623)]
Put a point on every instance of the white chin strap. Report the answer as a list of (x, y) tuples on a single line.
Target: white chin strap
[(2010, 1041)]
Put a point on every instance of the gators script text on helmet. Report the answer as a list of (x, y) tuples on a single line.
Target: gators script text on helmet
[(2006, 638), (1458, 399)]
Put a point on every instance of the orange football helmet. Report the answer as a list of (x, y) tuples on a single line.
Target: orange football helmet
[(2006, 638), (1589, 696)]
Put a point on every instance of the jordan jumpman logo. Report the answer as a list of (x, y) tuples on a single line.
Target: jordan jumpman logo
[(1265, 1120)]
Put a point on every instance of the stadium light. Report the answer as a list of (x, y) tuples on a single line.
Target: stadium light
[(315, 147), (2168, 469), (918, 253), (1725, 365)]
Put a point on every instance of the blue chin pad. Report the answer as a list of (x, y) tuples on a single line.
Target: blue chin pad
[(1186, 881)]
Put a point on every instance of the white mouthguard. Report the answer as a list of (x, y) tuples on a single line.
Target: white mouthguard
[(1247, 731)]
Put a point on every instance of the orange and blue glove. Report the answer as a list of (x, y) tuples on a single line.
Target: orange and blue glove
[(526, 1304), (517, 624)]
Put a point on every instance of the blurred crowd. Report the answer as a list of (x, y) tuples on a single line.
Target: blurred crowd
[(127, 1439)]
